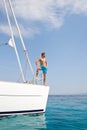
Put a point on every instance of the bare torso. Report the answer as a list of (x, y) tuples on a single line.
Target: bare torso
[(43, 61)]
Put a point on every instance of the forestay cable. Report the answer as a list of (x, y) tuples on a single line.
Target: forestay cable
[(10, 27), (21, 38)]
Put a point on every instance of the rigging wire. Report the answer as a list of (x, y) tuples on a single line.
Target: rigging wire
[(25, 72), (3, 44), (12, 35), (21, 38)]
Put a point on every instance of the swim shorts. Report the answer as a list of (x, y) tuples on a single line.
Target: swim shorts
[(44, 69)]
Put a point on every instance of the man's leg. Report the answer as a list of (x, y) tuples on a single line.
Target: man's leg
[(44, 79), (37, 71)]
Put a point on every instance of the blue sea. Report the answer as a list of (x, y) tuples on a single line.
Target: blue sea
[(62, 113)]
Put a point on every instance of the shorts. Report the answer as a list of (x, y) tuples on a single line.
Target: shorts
[(44, 69)]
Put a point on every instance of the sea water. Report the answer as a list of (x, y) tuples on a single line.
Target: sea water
[(62, 113)]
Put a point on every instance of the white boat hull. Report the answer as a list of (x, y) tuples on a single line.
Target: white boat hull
[(22, 98)]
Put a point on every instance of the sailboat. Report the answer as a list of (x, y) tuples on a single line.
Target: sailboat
[(25, 97)]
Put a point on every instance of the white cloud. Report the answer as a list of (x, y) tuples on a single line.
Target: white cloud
[(40, 11), (73, 6), (47, 12), (4, 29), (51, 11), (28, 32)]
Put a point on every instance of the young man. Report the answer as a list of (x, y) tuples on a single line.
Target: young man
[(43, 66)]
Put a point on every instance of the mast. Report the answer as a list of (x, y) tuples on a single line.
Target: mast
[(12, 35), (21, 38)]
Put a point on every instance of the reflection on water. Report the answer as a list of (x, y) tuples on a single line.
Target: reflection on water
[(23, 122)]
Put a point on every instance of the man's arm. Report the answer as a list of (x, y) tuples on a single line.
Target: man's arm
[(37, 61), (46, 63)]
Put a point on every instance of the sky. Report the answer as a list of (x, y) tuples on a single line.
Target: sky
[(58, 27)]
